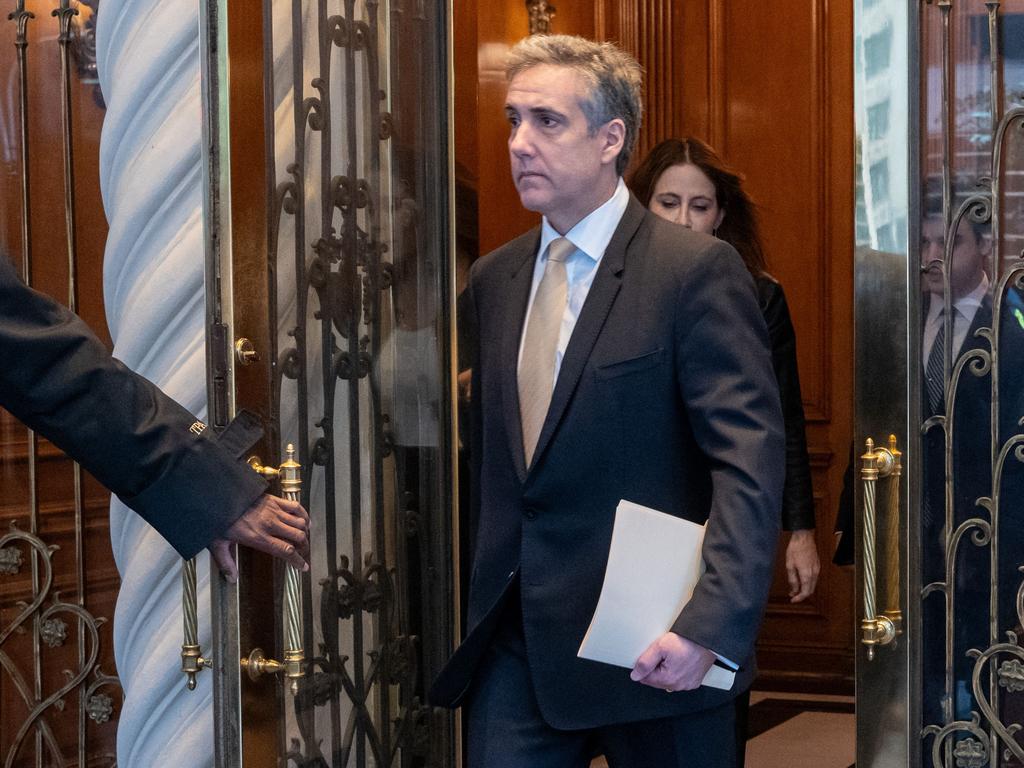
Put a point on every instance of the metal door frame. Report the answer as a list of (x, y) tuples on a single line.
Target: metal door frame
[(887, 367), (234, 55)]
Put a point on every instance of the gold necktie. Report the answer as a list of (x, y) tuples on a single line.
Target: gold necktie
[(537, 364)]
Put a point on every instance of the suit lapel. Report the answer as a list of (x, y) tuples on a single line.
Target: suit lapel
[(982, 319), (595, 311), (520, 280)]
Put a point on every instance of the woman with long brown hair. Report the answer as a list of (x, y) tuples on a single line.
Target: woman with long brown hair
[(685, 181)]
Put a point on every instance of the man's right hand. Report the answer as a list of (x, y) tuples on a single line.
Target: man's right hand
[(271, 524)]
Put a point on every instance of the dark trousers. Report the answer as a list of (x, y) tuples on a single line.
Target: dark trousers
[(742, 703), (506, 729)]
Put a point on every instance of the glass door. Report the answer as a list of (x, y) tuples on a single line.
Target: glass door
[(940, 395), (330, 312)]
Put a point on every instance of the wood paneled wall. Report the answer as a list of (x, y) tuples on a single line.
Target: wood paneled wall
[(770, 86)]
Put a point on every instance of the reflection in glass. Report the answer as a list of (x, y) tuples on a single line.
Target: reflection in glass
[(361, 268), (880, 57), (972, 394)]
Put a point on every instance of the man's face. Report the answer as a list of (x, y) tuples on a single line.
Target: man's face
[(968, 258), (560, 170)]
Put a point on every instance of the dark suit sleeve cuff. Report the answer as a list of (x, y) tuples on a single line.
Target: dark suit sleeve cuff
[(203, 492)]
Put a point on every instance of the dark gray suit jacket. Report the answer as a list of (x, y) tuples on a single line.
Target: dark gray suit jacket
[(59, 379), (666, 397)]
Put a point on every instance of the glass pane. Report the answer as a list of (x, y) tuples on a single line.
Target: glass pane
[(972, 396), (880, 93), (362, 268)]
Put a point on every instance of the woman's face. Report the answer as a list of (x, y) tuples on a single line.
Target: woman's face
[(685, 195)]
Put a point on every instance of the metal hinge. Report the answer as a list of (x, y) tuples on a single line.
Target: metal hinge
[(220, 349)]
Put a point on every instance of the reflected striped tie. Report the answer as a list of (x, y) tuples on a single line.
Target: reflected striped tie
[(537, 364), (934, 373)]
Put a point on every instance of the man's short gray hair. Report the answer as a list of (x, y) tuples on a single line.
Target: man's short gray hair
[(614, 77)]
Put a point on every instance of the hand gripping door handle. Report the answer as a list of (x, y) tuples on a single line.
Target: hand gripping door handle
[(290, 476), (881, 463)]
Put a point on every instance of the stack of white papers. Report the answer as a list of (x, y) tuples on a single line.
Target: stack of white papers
[(653, 566)]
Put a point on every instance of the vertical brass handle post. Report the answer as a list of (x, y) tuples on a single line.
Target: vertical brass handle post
[(256, 664), (192, 660), (879, 629), (294, 655), (892, 543)]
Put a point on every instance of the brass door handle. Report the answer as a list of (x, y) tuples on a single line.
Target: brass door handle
[(192, 660), (881, 628), (256, 664)]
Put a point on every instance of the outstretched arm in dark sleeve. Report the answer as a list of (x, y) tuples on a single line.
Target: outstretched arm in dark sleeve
[(60, 380)]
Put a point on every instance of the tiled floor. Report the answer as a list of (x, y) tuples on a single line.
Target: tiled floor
[(790, 730), (797, 730)]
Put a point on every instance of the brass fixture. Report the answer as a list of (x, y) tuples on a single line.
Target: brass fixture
[(881, 629), (245, 352)]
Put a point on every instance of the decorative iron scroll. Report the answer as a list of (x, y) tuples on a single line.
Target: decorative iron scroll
[(48, 616), (47, 621), (973, 599), (542, 14), (84, 44), (348, 207)]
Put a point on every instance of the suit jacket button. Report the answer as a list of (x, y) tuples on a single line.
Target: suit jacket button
[(530, 513)]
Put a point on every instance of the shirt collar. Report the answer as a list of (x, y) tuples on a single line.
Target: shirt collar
[(594, 231), (974, 299), (967, 305)]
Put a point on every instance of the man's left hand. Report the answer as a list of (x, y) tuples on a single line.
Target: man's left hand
[(802, 565), (673, 663)]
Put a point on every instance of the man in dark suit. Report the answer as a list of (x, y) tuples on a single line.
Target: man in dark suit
[(616, 356), (194, 488), (969, 442)]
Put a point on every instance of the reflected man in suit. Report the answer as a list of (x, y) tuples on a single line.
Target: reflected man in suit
[(968, 416), (616, 356), (965, 402)]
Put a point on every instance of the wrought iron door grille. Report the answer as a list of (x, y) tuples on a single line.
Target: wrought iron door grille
[(358, 260), (50, 642), (972, 537)]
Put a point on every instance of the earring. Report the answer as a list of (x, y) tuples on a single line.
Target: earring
[(714, 232)]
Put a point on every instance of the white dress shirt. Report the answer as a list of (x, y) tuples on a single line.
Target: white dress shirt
[(591, 236), (964, 310)]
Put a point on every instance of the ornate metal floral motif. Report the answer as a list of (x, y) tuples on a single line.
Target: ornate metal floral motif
[(542, 13), (48, 700), (380, 603), (44, 705), (970, 753), (100, 707), (83, 44), (1011, 675), (10, 561), (54, 632)]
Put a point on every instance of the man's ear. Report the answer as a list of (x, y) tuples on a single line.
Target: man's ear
[(613, 134)]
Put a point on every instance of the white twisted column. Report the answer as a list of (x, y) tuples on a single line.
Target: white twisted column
[(151, 177)]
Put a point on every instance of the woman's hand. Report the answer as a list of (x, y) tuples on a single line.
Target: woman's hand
[(802, 565)]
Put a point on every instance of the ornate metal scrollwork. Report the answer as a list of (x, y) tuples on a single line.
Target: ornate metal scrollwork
[(334, 238), (51, 614), (84, 43), (542, 14), (973, 691)]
